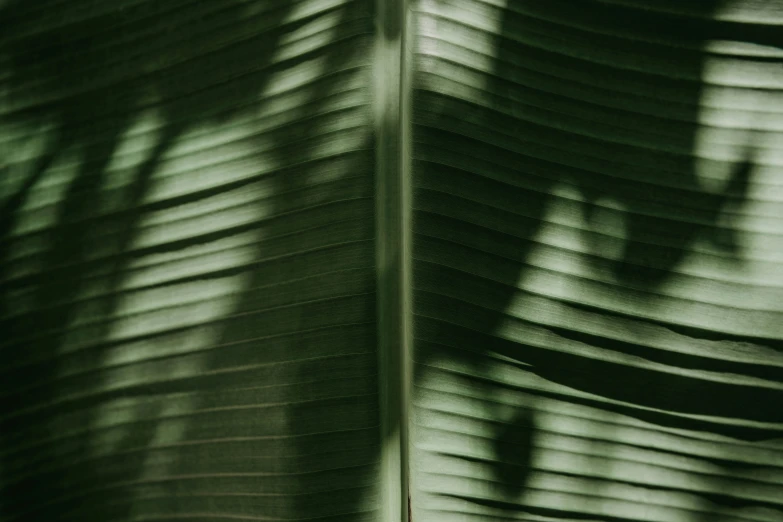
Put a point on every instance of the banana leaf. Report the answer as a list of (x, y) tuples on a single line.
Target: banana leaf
[(429, 260)]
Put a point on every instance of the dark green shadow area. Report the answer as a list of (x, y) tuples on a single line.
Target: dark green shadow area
[(273, 411)]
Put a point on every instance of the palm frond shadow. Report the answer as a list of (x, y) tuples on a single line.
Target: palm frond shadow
[(487, 173), (181, 61), (88, 71)]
